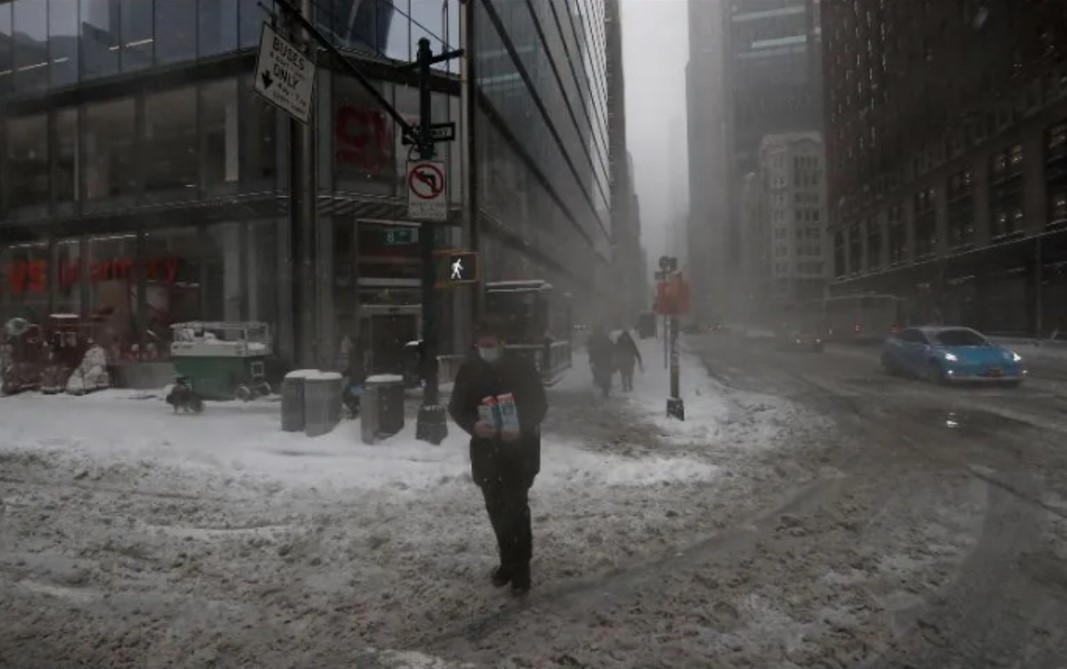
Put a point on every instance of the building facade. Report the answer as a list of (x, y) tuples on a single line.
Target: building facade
[(540, 115), (754, 70), (142, 183), (946, 158)]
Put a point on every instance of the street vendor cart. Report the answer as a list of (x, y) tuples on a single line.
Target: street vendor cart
[(223, 360)]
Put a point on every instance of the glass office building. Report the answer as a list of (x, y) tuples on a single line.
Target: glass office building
[(541, 142), (143, 183)]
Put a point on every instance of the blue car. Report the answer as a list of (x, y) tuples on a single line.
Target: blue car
[(949, 355)]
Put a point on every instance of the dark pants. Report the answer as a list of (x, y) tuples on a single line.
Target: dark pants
[(507, 501), (627, 371)]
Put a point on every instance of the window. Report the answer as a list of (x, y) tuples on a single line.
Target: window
[(960, 337), (65, 166), (218, 26), (99, 38), (925, 224), (220, 138), (28, 161), (137, 40), (961, 209), (257, 142), (6, 50), (175, 30), (62, 42), (874, 245), (855, 250), (1056, 173), (840, 268), (110, 158), (31, 44), (1006, 196), (897, 235), (250, 21), (170, 138)]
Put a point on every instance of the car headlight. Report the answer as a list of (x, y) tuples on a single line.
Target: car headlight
[(951, 357), (1015, 357)]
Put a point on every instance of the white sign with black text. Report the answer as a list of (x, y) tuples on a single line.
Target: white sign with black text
[(427, 195), (284, 75)]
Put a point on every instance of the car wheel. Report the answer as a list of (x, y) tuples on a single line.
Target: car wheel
[(935, 373)]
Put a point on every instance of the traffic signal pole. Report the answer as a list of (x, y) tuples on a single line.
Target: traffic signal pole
[(431, 424)]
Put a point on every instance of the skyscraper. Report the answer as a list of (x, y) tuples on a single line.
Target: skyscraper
[(754, 70)]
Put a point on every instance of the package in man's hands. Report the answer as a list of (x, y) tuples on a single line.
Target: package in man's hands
[(489, 412), (509, 413)]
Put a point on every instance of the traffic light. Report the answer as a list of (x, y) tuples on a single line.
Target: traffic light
[(456, 268)]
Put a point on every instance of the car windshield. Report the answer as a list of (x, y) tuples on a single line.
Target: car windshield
[(539, 334), (960, 338)]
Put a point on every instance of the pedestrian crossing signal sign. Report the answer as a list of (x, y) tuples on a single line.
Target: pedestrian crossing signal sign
[(456, 268)]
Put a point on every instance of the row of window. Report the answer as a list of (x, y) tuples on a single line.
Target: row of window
[(55, 43)]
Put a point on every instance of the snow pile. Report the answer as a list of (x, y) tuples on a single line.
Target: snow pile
[(243, 440)]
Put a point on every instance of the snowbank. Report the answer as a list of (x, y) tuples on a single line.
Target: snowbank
[(244, 440)]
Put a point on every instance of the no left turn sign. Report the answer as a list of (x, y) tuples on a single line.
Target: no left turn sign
[(427, 194)]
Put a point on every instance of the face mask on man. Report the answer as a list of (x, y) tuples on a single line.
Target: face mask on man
[(490, 355)]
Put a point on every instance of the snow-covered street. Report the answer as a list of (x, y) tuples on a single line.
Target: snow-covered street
[(135, 537)]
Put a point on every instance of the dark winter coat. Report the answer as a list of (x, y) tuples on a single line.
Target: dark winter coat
[(601, 351), (494, 458), (626, 351)]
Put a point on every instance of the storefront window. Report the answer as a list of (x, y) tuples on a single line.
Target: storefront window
[(170, 141), (6, 51), (218, 26), (364, 148), (110, 158), (99, 38), (137, 40), (28, 160), (65, 174), (69, 277), (174, 290), (31, 44), (63, 41), (258, 140), (25, 269), (220, 139), (175, 31)]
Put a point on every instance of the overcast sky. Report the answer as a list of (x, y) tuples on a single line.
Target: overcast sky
[(655, 50)]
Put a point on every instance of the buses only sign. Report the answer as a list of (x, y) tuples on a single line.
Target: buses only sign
[(284, 75)]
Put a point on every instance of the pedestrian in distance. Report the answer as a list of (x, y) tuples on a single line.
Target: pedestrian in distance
[(505, 453), (601, 359), (626, 356)]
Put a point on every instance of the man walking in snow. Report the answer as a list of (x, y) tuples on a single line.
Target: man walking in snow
[(503, 463)]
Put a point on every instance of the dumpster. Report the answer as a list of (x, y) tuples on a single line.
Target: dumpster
[(322, 402), (293, 400), (382, 410)]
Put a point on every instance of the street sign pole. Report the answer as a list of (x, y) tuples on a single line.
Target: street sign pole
[(675, 405), (431, 424), (302, 224)]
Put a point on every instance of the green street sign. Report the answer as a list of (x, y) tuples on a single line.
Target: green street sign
[(401, 236)]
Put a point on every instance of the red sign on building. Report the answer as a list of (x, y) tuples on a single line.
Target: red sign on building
[(31, 276)]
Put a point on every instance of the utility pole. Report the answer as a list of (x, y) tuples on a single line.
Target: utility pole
[(302, 212), (431, 424)]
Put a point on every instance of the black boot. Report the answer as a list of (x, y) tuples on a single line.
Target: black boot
[(520, 581), (500, 577)]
